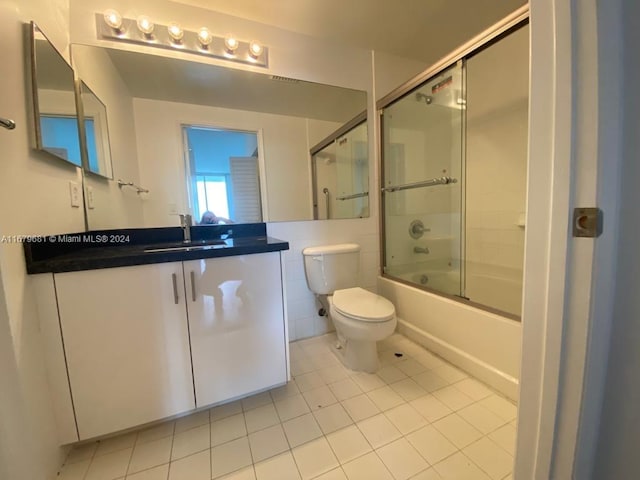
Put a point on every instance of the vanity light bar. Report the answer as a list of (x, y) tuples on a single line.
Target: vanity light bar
[(173, 37)]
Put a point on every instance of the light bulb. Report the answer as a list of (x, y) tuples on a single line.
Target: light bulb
[(255, 49), (204, 36), (145, 25), (231, 43), (175, 31), (113, 19)]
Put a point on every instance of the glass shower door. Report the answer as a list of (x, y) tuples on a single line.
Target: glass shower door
[(423, 154)]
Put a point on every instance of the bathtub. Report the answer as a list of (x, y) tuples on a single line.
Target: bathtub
[(483, 343)]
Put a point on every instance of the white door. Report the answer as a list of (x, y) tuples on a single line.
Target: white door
[(236, 321), (127, 345)]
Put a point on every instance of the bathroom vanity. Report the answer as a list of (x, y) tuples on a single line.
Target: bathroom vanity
[(143, 331)]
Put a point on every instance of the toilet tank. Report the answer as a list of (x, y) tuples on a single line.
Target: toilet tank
[(331, 267)]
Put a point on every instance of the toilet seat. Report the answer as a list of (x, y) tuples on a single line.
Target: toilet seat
[(361, 305)]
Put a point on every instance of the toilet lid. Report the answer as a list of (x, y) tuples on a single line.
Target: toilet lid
[(362, 305)]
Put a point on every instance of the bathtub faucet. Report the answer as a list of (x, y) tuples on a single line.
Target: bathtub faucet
[(420, 249)]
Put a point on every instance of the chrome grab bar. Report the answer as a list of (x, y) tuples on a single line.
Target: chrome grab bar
[(425, 183), (327, 200), (352, 196), (7, 123), (122, 183)]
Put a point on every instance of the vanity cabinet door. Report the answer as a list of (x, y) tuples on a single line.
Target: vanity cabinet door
[(126, 341), (237, 327)]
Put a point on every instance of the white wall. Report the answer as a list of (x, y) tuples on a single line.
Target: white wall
[(113, 207), (34, 199)]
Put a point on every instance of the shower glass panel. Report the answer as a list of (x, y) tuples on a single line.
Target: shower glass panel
[(422, 138)]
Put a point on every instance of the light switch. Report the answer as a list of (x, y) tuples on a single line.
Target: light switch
[(89, 193), (74, 193)]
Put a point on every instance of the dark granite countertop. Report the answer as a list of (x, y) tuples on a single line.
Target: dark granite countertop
[(119, 248)]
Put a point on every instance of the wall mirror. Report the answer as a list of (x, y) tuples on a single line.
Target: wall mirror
[(53, 99), (93, 117), (204, 138), (340, 169)]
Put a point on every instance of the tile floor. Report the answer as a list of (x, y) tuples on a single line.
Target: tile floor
[(417, 418)]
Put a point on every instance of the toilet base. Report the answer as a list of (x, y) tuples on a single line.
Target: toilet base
[(359, 356)]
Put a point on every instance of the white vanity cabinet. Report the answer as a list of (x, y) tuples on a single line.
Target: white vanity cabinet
[(236, 320), (126, 342), (143, 343)]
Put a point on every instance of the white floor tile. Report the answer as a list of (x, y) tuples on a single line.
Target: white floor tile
[(114, 444), (74, 471), (367, 467), (459, 467), (228, 429), (430, 381), (389, 357), (429, 474), (281, 467), (335, 474), (405, 418), (226, 410), (150, 454), (500, 406), (285, 391), (301, 430), (261, 417), (391, 373), (408, 389), (332, 418), (247, 473), (192, 441), (160, 472), (309, 381), (450, 373), (430, 408), (481, 418), (506, 438), (367, 381), (378, 430), (195, 420), (473, 388), (291, 407), (319, 398), (348, 443), (411, 367), (453, 398), (194, 467), (360, 407), (402, 460), (255, 401), (81, 453), (345, 388), (268, 443), (431, 444), (460, 432), (229, 457), (156, 433), (109, 466), (314, 458), (385, 398), (333, 374), (491, 458)]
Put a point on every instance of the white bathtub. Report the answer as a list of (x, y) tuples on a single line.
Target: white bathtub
[(485, 344)]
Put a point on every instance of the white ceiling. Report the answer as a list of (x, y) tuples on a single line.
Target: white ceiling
[(424, 30)]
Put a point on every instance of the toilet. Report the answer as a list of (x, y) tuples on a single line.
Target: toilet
[(361, 318)]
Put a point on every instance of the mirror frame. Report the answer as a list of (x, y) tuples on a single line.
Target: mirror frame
[(34, 110)]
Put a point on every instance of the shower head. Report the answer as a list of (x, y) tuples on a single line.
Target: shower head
[(428, 99)]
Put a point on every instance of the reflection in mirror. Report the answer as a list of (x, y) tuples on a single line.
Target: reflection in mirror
[(222, 175), (160, 97), (54, 106), (93, 114), (341, 174)]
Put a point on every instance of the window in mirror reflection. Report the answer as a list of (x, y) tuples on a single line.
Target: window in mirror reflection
[(60, 137), (223, 176), (341, 176)]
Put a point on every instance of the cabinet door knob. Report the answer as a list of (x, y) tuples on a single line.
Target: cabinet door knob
[(193, 285), (174, 278)]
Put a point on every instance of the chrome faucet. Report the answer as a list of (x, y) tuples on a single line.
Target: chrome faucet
[(185, 224), (420, 249)]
